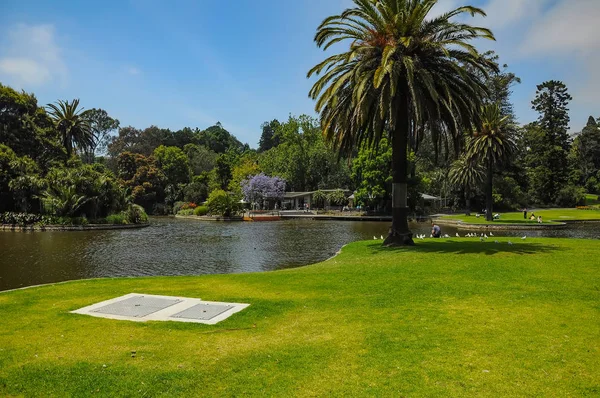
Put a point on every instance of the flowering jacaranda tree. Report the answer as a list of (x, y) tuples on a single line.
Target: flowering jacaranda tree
[(261, 187)]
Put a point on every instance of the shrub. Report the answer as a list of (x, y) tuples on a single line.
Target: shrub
[(135, 214), (160, 209), (570, 196), (186, 212), (116, 219), (177, 206), (222, 204), (20, 218), (79, 221), (201, 211)]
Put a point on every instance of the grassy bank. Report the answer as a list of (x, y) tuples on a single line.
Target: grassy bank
[(445, 318), (549, 216)]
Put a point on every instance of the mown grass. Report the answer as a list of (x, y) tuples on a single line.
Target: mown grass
[(549, 216), (592, 199), (452, 317)]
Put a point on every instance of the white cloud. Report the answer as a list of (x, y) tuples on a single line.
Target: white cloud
[(570, 30), (132, 70), (32, 57), (572, 26), (504, 13)]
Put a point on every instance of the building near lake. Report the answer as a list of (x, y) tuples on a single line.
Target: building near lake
[(300, 200)]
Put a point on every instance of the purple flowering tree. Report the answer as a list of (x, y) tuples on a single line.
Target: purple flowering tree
[(261, 188)]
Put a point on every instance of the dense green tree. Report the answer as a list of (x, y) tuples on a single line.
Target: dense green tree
[(245, 167), (404, 68), (174, 164), (145, 180), (371, 172), (219, 140), (492, 145), (26, 128), (202, 159), (551, 102), (303, 159), (73, 125), (548, 143), (268, 139), (585, 153)]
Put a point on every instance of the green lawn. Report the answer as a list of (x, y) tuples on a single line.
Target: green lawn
[(548, 216), (592, 199), (450, 317)]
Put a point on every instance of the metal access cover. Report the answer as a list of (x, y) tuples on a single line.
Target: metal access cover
[(138, 306), (203, 312)]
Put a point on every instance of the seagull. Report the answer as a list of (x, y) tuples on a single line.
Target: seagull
[(381, 237), (510, 243), (496, 241), (446, 236), (481, 239), (525, 237), (374, 238), (457, 235), (482, 235), (485, 236), (491, 234)]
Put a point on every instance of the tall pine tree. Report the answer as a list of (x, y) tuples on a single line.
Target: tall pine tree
[(548, 142)]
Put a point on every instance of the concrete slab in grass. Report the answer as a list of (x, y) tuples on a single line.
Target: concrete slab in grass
[(147, 307)]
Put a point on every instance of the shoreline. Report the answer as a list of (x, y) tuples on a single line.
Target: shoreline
[(66, 228)]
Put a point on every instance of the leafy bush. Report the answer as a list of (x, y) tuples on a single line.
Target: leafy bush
[(201, 211), (190, 205), (222, 204), (116, 219), (177, 206), (79, 221), (160, 209), (186, 212), (135, 214), (570, 196), (20, 218)]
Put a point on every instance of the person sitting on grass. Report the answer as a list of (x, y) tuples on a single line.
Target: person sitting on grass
[(496, 216), (436, 231), (540, 220), (532, 218)]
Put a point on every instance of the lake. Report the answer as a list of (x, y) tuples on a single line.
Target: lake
[(171, 246)]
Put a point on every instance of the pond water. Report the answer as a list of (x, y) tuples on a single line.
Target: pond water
[(171, 246)]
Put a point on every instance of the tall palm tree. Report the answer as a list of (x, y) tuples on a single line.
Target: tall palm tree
[(402, 71), (492, 145), (73, 125), (467, 175)]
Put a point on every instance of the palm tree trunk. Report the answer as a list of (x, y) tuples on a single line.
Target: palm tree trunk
[(468, 201), (489, 198), (399, 234)]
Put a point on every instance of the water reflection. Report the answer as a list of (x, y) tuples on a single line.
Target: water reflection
[(186, 247)]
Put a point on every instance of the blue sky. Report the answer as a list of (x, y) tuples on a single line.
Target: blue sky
[(242, 62)]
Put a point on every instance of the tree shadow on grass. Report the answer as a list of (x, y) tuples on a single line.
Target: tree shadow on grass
[(488, 248)]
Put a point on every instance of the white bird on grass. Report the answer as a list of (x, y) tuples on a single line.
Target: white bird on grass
[(374, 238), (485, 236), (446, 236), (457, 235), (481, 239), (491, 234), (381, 237), (510, 243), (496, 241), (525, 237), (431, 236)]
